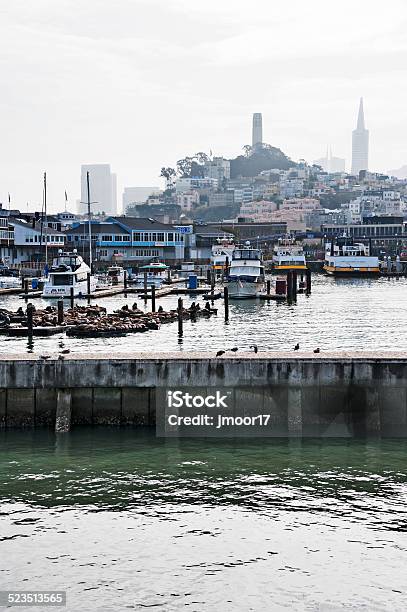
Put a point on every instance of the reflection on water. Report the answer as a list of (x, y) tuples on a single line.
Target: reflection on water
[(341, 314), (121, 519)]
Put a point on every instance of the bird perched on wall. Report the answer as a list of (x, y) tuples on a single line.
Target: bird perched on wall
[(45, 356), (297, 347), (317, 350), (65, 351), (234, 349), (254, 347), (219, 353)]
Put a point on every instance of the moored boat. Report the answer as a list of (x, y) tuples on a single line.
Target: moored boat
[(246, 277), (344, 257), (68, 271), (156, 273), (288, 255)]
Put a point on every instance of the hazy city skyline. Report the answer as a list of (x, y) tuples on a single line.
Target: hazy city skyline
[(109, 84)]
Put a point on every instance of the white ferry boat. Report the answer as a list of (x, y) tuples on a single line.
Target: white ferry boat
[(246, 273), (220, 251), (287, 255), (347, 258), (68, 270), (156, 274)]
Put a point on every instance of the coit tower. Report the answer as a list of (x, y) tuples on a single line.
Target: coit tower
[(257, 130), (360, 144)]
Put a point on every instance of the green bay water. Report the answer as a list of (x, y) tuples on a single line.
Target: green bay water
[(341, 314), (122, 520)]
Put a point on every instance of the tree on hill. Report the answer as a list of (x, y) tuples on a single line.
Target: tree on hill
[(259, 158)]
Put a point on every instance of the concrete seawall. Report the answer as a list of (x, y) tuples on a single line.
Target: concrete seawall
[(347, 394)]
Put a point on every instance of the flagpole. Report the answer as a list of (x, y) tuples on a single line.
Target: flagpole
[(45, 214)]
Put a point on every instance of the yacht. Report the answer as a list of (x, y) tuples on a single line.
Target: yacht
[(287, 255), (156, 272), (345, 257), (220, 251), (246, 273), (68, 270)]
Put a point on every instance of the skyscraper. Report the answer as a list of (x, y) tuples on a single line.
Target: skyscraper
[(360, 144), (257, 131), (103, 189)]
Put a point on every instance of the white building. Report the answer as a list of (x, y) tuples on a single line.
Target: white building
[(331, 164), (103, 189), (187, 184), (137, 195)]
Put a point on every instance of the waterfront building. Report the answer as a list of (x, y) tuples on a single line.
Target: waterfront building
[(382, 231), (257, 129), (6, 239), (30, 239), (360, 144), (129, 239), (103, 189), (243, 194)]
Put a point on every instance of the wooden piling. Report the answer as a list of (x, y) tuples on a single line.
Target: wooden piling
[(308, 281), (60, 311), (268, 287), (208, 276), (30, 313), (180, 319), (145, 287), (226, 303), (152, 298), (169, 276), (227, 266), (88, 286), (26, 281), (289, 285), (125, 279), (294, 281), (72, 297)]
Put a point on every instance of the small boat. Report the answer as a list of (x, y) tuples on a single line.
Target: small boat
[(115, 274), (344, 257), (288, 255), (155, 272), (246, 273), (68, 271), (9, 279)]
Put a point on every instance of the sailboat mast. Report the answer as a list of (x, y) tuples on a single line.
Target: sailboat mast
[(45, 214), (90, 222)]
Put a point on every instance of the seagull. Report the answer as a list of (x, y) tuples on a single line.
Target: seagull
[(219, 353), (61, 358), (66, 351), (234, 349), (45, 356), (254, 347), (317, 350), (297, 347)]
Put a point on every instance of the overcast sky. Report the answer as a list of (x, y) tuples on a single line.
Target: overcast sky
[(140, 83)]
